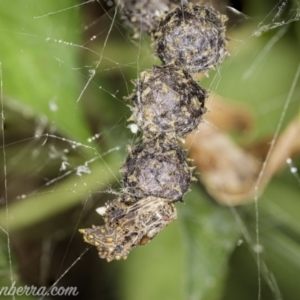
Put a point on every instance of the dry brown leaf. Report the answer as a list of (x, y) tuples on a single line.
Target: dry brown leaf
[(229, 173)]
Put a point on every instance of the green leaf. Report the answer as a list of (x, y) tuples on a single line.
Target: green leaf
[(155, 271), (264, 75), (60, 197), (210, 234), (39, 63), (282, 256), (280, 201)]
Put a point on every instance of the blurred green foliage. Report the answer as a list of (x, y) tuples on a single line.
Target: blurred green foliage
[(47, 58)]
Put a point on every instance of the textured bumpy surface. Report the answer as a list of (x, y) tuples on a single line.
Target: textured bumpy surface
[(167, 105), (156, 168), (128, 226), (141, 15), (191, 37), (167, 101)]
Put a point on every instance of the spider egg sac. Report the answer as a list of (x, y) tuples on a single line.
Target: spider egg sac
[(141, 15), (156, 168), (191, 37), (167, 101), (127, 227)]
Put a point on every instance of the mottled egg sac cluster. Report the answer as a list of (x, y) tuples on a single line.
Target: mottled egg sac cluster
[(167, 104)]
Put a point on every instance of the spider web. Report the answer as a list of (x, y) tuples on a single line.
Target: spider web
[(45, 162)]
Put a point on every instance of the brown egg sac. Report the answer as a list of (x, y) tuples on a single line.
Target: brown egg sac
[(141, 15), (128, 226), (167, 101), (191, 37), (156, 168)]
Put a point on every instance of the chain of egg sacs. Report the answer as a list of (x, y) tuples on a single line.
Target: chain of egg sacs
[(168, 104)]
